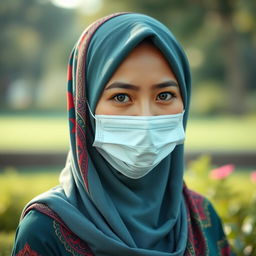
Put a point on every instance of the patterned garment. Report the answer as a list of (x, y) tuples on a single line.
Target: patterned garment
[(43, 233)]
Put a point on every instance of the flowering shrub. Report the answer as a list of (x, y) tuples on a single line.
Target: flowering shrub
[(253, 177), (235, 202), (222, 172)]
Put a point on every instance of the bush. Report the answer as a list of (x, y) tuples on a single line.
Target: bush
[(6, 241), (234, 200), (16, 189), (231, 193)]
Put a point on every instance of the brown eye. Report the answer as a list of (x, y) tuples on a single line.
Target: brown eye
[(164, 96), (121, 98)]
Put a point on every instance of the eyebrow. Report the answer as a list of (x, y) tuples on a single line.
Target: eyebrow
[(166, 84), (121, 85)]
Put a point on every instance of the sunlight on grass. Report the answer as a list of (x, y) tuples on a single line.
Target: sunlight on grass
[(224, 133), (34, 133), (42, 133)]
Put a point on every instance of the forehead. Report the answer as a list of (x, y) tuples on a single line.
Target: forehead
[(144, 62)]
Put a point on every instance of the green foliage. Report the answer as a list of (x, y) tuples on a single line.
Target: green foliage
[(29, 31), (6, 241), (16, 190), (224, 33), (208, 99), (36, 38), (234, 199)]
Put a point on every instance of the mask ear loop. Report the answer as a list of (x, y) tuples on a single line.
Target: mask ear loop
[(92, 119), (90, 110)]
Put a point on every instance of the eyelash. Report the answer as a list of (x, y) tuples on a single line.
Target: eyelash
[(172, 95), (120, 94)]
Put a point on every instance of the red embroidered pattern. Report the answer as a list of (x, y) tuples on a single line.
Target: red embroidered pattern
[(45, 210), (202, 208), (196, 239), (78, 66), (72, 243), (224, 248), (27, 251)]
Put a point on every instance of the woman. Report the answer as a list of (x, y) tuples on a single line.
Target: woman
[(122, 190)]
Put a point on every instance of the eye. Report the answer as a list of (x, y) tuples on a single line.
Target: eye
[(121, 98), (165, 96)]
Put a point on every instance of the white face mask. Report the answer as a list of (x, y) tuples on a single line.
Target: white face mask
[(134, 145)]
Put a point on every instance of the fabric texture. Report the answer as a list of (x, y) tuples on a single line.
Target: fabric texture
[(42, 232), (113, 214)]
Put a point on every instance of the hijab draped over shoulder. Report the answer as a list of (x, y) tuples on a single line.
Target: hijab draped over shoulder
[(113, 214)]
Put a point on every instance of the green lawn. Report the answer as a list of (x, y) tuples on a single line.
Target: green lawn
[(31, 133), (223, 133), (50, 133)]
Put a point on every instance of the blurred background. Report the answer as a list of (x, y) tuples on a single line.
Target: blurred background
[(219, 37)]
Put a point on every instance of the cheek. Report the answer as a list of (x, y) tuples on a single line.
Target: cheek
[(179, 106), (100, 107), (174, 108), (106, 108)]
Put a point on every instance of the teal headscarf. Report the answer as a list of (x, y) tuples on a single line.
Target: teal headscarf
[(113, 214)]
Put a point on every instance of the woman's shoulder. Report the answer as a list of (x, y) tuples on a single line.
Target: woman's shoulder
[(199, 203), (39, 234), (202, 212), (35, 223), (34, 234)]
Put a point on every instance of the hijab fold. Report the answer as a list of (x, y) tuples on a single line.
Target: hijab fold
[(113, 214)]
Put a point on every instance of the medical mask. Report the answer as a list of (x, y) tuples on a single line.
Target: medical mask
[(134, 145)]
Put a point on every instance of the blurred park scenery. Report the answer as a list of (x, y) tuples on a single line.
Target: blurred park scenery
[(219, 37)]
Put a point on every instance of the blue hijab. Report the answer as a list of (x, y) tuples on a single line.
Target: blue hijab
[(113, 214)]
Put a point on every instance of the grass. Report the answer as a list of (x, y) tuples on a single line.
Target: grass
[(50, 133), (222, 133), (33, 133)]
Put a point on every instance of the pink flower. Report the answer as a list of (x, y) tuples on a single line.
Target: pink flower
[(222, 172), (253, 176)]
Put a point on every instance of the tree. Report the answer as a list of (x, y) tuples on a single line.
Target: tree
[(28, 28), (223, 29)]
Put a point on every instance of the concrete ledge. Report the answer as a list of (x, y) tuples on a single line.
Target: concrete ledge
[(28, 159), (243, 158)]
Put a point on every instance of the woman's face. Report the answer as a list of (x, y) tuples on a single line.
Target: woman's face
[(143, 85)]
